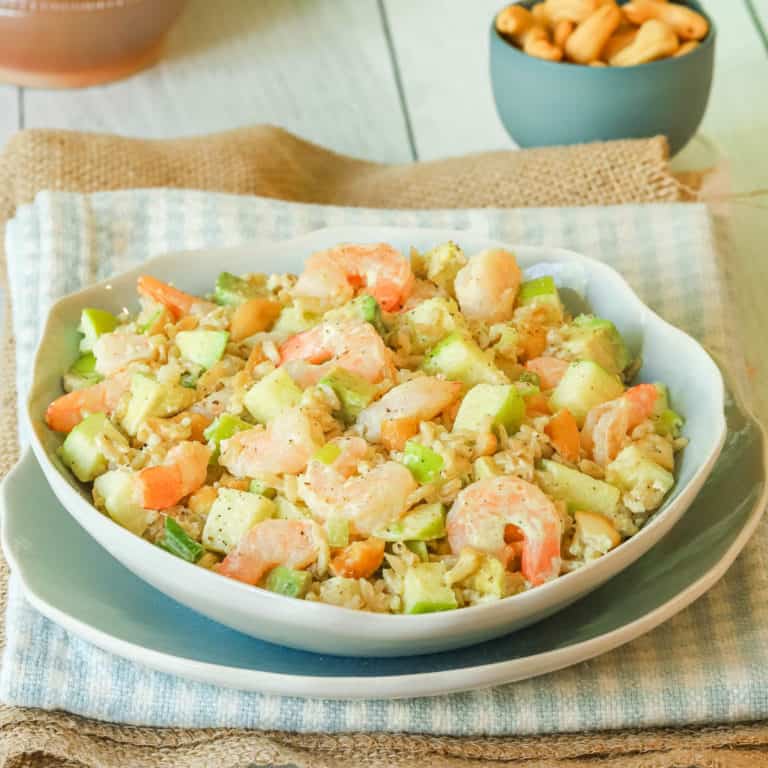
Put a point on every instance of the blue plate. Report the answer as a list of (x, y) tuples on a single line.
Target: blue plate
[(75, 582)]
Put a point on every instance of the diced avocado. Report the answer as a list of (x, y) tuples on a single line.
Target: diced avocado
[(151, 398), (94, 322), (583, 386), (117, 492), (288, 582), (82, 373), (424, 590), (645, 483), (432, 320), (578, 489), (294, 320), (424, 463), (202, 347), (260, 488), (593, 338), (489, 579), (271, 395), (178, 542), (338, 531), (328, 453), (490, 405), (364, 307), (223, 428), (484, 467), (440, 265), (232, 515), (425, 523), (233, 290), (459, 358), (353, 391), (82, 452), (419, 548)]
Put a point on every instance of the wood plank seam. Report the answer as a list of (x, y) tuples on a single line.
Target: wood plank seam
[(398, 79)]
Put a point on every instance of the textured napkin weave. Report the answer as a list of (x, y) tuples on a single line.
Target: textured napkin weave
[(64, 241)]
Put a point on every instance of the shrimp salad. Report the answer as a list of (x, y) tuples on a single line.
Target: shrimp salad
[(381, 432)]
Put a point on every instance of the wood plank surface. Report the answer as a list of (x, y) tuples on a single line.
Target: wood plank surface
[(9, 115), (442, 51), (320, 69)]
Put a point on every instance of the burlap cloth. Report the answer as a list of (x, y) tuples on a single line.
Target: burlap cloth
[(267, 161)]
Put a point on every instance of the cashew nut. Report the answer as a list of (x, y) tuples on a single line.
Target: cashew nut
[(514, 20), (562, 31), (686, 47), (588, 39), (654, 40), (541, 14), (686, 23), (571, 10), (618, 41), (536, 42)]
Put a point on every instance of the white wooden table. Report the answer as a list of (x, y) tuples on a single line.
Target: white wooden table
[(396, 80)]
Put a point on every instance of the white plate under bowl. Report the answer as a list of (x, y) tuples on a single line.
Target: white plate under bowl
[(668, 354)]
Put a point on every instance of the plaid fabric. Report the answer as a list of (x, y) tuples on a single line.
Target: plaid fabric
[(710, 663)]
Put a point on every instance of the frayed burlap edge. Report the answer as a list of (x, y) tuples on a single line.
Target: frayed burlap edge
[(269, 162)]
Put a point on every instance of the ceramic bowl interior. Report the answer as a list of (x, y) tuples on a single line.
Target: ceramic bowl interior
[(668, 355), (543, 103)]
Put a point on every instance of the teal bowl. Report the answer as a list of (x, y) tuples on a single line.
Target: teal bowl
[(543, 103)]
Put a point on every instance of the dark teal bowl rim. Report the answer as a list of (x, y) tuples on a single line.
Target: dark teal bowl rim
[(670, 61)]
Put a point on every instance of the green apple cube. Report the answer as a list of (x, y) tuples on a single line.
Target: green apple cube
[(288, 582), (425, 523), (593, 338), (424, 463), (490, 405), (232, 515), (425, 590), (583, 386), (271, 395), (93, 323), (353, 391), (459, 358), (578, 489), (202, 347), (222, 428), (419, 548), (337, 529), (539, 289), (232, 290), (82, 452), (117, 492)]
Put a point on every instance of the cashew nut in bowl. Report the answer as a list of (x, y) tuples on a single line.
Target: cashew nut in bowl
[(588, 39), (686, 23), (514, 20), (654, 40), (562, 31), (571, 10), (618, 41), (686, 47), (536, 43)]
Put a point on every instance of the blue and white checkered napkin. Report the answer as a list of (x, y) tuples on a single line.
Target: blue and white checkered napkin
[(716, 651)]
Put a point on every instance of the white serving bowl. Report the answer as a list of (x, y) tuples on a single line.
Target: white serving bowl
[(669, 355)]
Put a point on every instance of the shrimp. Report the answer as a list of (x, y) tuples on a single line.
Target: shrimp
[(114, 351), (605, 429), (353, 346), (549, 370), (293, 543), (336, 274), (370, 501), (423, 398), (67, 411), (487, 286), (284, 445), (183, 472), (483, 510), (175, 301)]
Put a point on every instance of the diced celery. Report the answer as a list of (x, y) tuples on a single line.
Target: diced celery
[(338, 531), (178, 542), (419, 548)]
